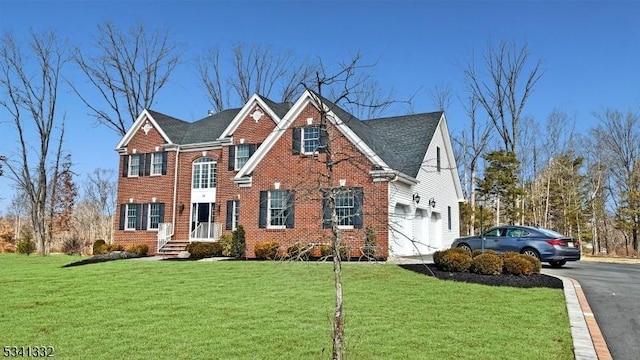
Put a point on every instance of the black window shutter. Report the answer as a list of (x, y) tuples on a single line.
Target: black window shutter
[(160, 213), (326, 212), (262, 221), (125, 166), (142, 223), (357, 202), (141, 160), (232, 157), (229, 225), (296, 141), (291, 200), (147, 164), (252, 149), (123, 211), (164, 162), (323, 139)]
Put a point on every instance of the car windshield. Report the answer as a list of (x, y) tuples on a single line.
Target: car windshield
[(550, 232)]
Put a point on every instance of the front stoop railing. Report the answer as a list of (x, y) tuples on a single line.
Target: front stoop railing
[(207, 231), (165, 232)]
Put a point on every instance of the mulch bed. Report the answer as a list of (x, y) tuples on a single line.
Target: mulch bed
[(530, 281), (114, 255)]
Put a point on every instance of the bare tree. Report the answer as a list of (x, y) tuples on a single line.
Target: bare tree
[(504, 88), (471, 145), (255, 69), (127, 73), (30, 86), (441, 96), (618, 136), (99, 202)]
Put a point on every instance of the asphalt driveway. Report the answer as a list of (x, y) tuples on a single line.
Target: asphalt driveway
[(612, 290)]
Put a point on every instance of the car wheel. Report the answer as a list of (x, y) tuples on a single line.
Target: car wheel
[(464, 247), (531, 252), (557, 263)]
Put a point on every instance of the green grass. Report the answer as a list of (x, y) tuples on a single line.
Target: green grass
[(268, 310)]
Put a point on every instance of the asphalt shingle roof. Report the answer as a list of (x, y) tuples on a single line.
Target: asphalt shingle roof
[(400, 141)]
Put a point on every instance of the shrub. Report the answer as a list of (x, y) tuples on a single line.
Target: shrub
[(72, 246), (266, 249), (437, 258), (487, 264), (7, 247), (370, 243), (26, 245), (226, 241), (517, 265), (477, 252), (138, 249), (455, 260), (299, 251), (537, 266), (201, 250), (325, 250), (113, 247), (239, 244), (345, 254), (98, 247)]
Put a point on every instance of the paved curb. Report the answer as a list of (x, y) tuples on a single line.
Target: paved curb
[(588, 342)]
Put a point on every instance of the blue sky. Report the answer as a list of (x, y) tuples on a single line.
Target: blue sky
[(590, 51)]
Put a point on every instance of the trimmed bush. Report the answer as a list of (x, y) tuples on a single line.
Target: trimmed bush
[(201, 250), (457, 260), (517, 265), (299, 251), (98, 247), (239, 244), (266, 250), (113, 247), (325, 250), (537, 266), (226, 241), (477, 252), (138, 249), (72, 246), (437, 258), (487, 264)]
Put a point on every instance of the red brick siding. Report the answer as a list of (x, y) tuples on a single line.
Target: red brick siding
[(143, 188), (303, 174)]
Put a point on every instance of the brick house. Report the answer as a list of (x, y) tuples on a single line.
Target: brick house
[(263, 166)]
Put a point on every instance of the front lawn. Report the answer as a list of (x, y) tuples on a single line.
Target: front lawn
[(268, 310)]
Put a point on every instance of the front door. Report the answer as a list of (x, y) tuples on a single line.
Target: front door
[(202, 220)]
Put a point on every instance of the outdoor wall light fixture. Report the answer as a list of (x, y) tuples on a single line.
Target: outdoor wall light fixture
[(432, 202), (181, 208), (416, 198)]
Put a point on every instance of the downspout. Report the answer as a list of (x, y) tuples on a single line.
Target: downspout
[(175, 191)]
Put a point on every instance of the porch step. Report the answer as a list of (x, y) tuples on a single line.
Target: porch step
[(173, 248)]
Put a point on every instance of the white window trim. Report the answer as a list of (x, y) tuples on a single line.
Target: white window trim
[(348, 227), (129, 173), (149, 228), (213, 179), (126, 219), (153, 159), (235, 161), (302, 140), (269, 226), (235, 215)]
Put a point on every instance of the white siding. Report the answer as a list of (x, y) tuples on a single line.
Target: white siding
[(443, 187)]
